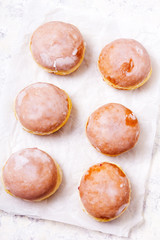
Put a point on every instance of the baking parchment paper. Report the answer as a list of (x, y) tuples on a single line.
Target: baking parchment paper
[(70, 146)]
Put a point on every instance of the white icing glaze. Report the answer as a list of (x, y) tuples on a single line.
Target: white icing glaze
[(60, 62), (41, 156), (98, 149), (120, 210), (46, 59), (32, 172), (139, 50), (20, 161), (54, 65), (112, 191), (74, 52), (132, 116), (75, 36)]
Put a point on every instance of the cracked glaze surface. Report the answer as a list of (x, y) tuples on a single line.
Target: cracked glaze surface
[(57, 46)]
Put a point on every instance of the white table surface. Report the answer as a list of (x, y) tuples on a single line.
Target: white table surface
[(17, 227)]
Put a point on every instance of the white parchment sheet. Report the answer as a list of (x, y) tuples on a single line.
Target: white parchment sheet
[(70, 146)]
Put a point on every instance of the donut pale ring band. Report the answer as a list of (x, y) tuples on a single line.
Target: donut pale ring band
[(113, 129), (31, 174), (57, 47), (125, 64), (42, 108), (105, 191)]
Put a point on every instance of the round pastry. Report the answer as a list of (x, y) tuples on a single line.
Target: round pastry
[(31, 174), (113, 129), (42, 108), (58, 47), (105, 191), (125, 64)]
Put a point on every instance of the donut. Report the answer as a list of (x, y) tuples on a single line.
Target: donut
[(105, 191), (57, 47), (112, 129), (31, 174), (125, 64), (42, 108)]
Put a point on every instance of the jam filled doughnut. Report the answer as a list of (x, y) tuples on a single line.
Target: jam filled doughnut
[(112, 129), (42, 108), (31, 174), (125, 64), (58, 47), (105, 191)]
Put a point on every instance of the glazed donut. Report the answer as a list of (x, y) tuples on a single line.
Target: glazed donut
[(105, 191), (125, 64), (42, 108), (31, 174), (57, 47), (113, 129)]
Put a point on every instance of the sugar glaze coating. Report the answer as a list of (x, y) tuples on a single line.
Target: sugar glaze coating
[(113, 129), (124, 64), (105, 191), (57, 47), (31, 174), (42, 108)]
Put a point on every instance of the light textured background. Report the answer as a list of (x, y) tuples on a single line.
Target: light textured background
[(14, 227)]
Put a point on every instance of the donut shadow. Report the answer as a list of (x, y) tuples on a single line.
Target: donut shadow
[(71, 123), (60, 190), (126, 155)]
